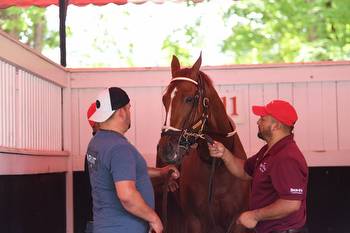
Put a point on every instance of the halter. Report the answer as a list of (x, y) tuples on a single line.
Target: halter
[(189, 136)]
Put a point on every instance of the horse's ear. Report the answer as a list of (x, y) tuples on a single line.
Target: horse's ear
[(175, 65), (196, 67)]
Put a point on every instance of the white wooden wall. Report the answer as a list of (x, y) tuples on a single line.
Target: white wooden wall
[(8, 103), (317, 90), (146, 121), (31, 117), (44, 106)]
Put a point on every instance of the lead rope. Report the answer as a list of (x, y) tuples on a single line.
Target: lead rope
[(210, 191), (209, 140), (211, 181), (165, 205), (165, 201)]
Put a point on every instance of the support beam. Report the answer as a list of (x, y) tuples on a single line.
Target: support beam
[(63, 13)]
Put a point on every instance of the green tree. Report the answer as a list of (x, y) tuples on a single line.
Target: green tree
[(29, 26), (181, 41), (288, 30), (107, 43)]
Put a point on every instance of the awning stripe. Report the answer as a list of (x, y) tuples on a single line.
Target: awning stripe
[(45, 3)]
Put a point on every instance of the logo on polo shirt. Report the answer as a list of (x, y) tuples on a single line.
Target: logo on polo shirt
[(263, 167), (296, 191)]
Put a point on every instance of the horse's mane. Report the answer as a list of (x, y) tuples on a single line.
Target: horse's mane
[(206, 79)]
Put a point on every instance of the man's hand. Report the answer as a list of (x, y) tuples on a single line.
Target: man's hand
[(248, 219), (156, 226), (170, 171), (173, 185), (172, 174), (217, 149)]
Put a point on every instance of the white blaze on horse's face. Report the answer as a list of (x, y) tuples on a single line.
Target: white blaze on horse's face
[(178, 107), (172, 96)]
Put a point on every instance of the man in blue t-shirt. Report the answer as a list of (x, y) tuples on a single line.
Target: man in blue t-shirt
[(123, 198)]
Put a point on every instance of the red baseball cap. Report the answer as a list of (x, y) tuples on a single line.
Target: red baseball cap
[(281, 110), (91, 110)]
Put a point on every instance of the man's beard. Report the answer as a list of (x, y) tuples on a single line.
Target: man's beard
[(265, 134), (260, 135)]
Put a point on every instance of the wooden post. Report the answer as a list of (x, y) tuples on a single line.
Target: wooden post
[(63, 12)]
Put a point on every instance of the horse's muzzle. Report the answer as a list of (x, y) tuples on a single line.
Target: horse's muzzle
[(170, 151)]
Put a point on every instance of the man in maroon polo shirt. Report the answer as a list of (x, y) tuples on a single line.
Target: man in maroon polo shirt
[(278, 172)]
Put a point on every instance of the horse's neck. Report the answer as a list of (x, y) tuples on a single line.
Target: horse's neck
[(219, 122)]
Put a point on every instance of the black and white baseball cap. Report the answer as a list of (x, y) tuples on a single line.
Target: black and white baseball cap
[(107, 102)]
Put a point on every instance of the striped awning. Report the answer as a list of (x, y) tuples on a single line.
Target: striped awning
[(45, 3), (63, 12)]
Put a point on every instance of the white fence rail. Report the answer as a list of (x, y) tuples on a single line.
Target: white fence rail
[(8, 105), (31, 117)]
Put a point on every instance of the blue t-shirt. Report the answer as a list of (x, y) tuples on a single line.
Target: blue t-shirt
[(112, 158)]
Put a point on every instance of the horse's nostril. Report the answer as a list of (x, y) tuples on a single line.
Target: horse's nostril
[(168, 149)]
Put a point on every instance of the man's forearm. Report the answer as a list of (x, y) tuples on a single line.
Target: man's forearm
[(235, 165), (136, 205), (133, 202), (154, 172), (164, 172)]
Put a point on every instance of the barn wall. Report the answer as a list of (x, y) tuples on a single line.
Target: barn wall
[(317, 90)]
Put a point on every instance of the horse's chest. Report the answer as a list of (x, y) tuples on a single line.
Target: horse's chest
[(194, 185)]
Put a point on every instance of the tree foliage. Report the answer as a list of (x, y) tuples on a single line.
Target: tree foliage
[(262, 31), (181, 41), (29, 25), (288, 30)]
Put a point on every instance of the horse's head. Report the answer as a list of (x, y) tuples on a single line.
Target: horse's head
[(186, 102)]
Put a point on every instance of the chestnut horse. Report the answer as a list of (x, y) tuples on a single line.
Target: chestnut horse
[(209, 197)]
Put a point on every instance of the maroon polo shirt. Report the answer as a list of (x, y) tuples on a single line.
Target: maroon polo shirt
[(281, 173)]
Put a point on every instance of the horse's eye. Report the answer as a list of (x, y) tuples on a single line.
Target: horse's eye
[(189, 99)]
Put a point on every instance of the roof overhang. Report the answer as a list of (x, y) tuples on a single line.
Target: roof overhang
[(45, 3)]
